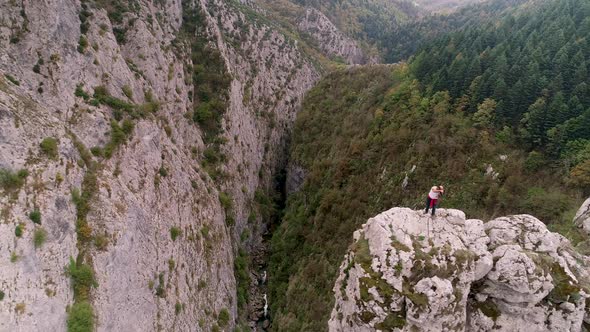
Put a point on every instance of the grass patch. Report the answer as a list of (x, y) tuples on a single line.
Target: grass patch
[(242, 277), (226, 200), (101, 242), (11, 79), (171, 264), (175, 232), (39, 237), (119, 135), (81, 317), (488, 308), (19, 308), (35, 216), (11, 181), (565, 288), (395, 319), (49, 147), (178, 308), (362, 254), (82, 278), (79, 92), (18, 230), (223, 318), (161, 289), (82, 44)]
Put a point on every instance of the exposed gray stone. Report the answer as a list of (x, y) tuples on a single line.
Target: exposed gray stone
[(582, 218), (269, 73), (510, 274)]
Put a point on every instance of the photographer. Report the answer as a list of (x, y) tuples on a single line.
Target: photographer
[(433, 196)]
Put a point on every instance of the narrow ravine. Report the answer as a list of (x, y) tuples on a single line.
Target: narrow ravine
[(258, 313)]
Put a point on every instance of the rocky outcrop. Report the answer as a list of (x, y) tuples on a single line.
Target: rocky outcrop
[(406, 272), (159, 240), (331, 40), (582, 218)]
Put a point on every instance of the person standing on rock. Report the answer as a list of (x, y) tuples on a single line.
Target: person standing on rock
[(432, 198)]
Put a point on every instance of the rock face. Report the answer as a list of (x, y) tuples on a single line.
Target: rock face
[(160, 242), (406, 272), (582, 218), (331, 40)]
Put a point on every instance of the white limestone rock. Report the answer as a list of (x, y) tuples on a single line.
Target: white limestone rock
[(331, 40), (132, 210), (510, 274), (582, 218)]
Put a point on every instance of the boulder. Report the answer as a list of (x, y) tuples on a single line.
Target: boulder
[(582, 218), (407, 271)]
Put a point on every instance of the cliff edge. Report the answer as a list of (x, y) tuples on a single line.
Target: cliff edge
[(406, 271)]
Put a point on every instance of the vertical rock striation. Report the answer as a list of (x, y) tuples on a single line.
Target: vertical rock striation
[(332, 41), (112, 85)]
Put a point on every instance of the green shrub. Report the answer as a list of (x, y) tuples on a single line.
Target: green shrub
[(118, 136), (82, 44), (226, 201), (177, 308), (175, 232), (12, 79), (35, 216), (39, 237), (161, 289), (242, 277), (101, 93), (203, 113), (547, 206), (82, 278), (205, 231), (1, 295), (79, 92), (14, 257), (127, 92), (101, 241), (171, 264), (96, 151), (11, 180), (163, 171), (49, 147), (18, 231), (223, 318), (245, 235), (81, 317)]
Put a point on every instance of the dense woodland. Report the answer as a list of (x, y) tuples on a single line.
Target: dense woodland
[(532, 68), (404, 40), (498, 113)]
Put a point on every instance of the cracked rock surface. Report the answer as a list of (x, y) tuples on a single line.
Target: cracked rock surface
[(407, 271)]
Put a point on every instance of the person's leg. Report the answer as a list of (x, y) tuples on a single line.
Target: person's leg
[(434, 201), (427, 204)]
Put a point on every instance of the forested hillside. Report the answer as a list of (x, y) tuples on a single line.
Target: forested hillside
[(407, 38), (371, 138), (495, 106), (365, 22), (531, 72)]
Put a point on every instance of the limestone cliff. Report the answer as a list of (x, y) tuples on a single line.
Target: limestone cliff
[(330, 40), (103, 161), (406, 272)]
